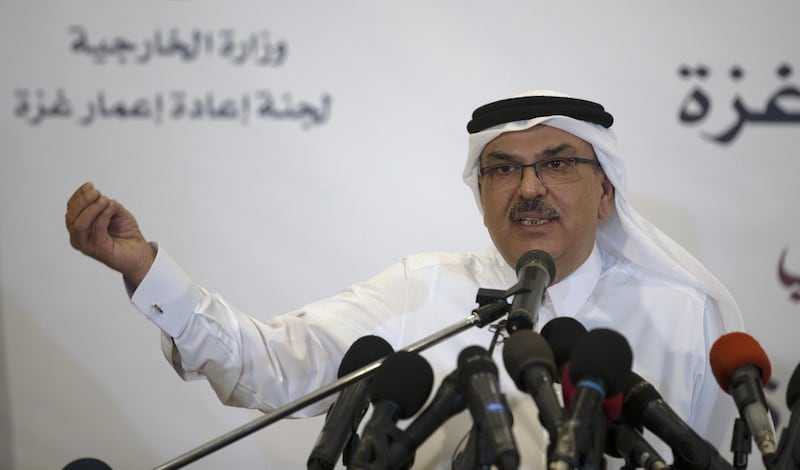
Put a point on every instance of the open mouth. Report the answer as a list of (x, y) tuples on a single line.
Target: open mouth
[(532, 212), (531, 221)]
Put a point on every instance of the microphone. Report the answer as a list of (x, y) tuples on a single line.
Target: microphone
[(611, 406), (612, 409), (562, 333), (87, 463), (622, 440), (535, 271), (643, 406), (741, 368), (531, 365), (400, 387), (479, 382), (344, 416), (789, 446), (599, 364), (446, 403)]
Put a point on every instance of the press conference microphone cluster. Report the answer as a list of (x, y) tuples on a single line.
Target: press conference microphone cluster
[(473, 385), (621, 440), (339, 433), (742, 368)]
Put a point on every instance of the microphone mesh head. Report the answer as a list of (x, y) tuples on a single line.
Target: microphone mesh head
[(362, 352), (404, 378), (473, 360), (602, 354), (612, 405), (734, 350), (525, 349), (540, 258), (561, 334), (87, 463)]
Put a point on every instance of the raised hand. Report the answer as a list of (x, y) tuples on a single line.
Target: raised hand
[(103, 229)]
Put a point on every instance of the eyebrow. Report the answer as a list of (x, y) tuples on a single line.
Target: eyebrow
[(546, 153)]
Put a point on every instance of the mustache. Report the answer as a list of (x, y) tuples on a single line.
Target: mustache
[(536, 206)]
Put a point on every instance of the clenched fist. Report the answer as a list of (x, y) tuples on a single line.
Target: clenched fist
[(103, 229)]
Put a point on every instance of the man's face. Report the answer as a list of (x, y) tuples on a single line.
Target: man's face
[(559, 219)]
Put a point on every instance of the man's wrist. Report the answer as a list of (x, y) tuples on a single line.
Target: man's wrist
[(135, 277)]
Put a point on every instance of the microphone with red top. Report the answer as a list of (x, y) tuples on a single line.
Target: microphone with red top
[(741, 368)]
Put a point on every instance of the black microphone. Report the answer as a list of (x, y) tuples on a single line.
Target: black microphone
[(535, 271), (87, 463), (599, 364), (643, 406), (531, 365), (492, 418), (446, 403), (400, 387), (788, 454), (623, 441), (741, 368), (562, 333), (344, 416)]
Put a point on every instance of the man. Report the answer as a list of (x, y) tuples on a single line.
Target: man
[(545, 172)]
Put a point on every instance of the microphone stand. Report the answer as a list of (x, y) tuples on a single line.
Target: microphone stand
[(593, 459), (492, 306), (788, 455), (476, 453), (740, 443)]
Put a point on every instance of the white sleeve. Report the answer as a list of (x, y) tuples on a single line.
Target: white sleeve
[(265, 364)]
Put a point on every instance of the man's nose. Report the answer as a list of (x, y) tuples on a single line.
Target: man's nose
[(531, 186)]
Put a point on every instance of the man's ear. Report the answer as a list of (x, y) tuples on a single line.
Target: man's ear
[(606, 198), (480, 193)]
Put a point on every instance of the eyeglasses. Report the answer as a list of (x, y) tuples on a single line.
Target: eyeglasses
[(551, 172)]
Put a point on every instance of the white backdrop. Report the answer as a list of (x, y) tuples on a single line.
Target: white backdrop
[(279, 207)]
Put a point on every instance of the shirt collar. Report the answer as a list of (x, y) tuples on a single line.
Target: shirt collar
[(568, 296)]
